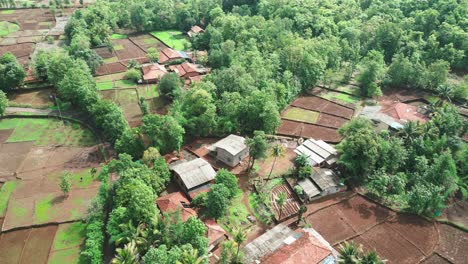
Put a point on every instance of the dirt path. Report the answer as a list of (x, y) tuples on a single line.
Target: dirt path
[(22, 110)]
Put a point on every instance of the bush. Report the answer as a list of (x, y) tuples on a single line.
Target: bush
[(304, 172), (133, 74)]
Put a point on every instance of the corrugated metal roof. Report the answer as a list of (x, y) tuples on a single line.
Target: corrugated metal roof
[(232, 144), (325, 178), (195, 172), (317, 152), (309, 187)]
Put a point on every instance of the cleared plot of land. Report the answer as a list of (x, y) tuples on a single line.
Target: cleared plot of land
[(331, 121), (128, 100), (453, 243), (146, 41), (126, 49), (299, 129), (47, 132), (14, 242), (20, 51), (299, 114), (318, 104), (38, 245), (12, 156), (172, 38), (5, 193), (36, 99), (5, 134), (399, 238), (340, 97)]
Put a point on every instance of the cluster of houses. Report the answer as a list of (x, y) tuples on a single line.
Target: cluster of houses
[(180, 62)]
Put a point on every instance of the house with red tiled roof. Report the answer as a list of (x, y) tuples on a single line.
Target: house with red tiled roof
[(283, 245), (174, 201), (187, 70), (215, 234), (195, 30), (168, 55), (404, 112), (153, 72)]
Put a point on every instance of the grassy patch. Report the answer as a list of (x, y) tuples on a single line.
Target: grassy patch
[(118, 36), (236, 215), (300, 114), (150, 41), (172, 38), (18, 211), (71, 255), (111, 60), (148, 91), (260, 210), (7, 28), (5, 193), (125, 84), (346, 98), (431, 99), (47, 132), (349, 89), (105, 85), (68, 236), (7, 12), (118, 47), (110, 77), (44, 209), (82, 179)]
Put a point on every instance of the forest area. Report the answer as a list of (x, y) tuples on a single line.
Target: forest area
[(263, 54)]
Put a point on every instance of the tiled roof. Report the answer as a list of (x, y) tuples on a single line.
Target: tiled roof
[(404, 112), (168, 54), (171, 202), (153, 71), (184, 68), (214, 232)]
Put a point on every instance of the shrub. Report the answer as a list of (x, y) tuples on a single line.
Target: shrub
[(133, 74)]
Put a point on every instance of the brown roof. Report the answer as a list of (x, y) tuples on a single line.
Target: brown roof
[(171, 202), (214, 232), (168, 54), (402, 111), (153, 71), (196, 29), (306, 249), (184, 68)]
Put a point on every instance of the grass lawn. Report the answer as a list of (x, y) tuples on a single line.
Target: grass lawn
[(111, 60), (148, 91), (349, 89), (69, 235), (7, 12), (5, 193), (236, 215), (118, 36), (46, 132), (125, 84), (85, 175), (7, 28), (44, 209), (300, 114), (106, 85), (110, 77), (70, 255), (340, 97), (172, 38)]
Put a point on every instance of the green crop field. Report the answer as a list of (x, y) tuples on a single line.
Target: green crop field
[(7, 27), (106, 85), (5, 193), (7, 12), (44, 209), (69, 235), (118, 36), (45, 132), (172, 38), (345, 98), (299, 114)]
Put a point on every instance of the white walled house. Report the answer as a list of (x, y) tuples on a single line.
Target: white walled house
[(230, 150)]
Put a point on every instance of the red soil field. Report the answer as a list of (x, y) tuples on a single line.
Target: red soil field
[(4, 134), (435, 259), (21, 51), (331, 121), (38, 245), (298, 129), (331, 224), (14, 242), (453, 243), (290, 207), (321, 105), (129, 51), (12, 156)]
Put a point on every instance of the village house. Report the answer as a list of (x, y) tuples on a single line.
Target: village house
[(194, 176), (168, 55), (153, 72), (187, 70), (320, 183), (283, 245), (318, 152), (230, 150), (215, 234), (195, 30), (176, 201)]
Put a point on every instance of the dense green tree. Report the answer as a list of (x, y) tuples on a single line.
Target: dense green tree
[(152, 54), (229, 180), (137, 197), (217, 200), (170, 85), (127, 255), (163, 255), (130, 142), (425, 198), (372, 72), (150, 156), (133, 74), (58, 65), (78, 87), (3, 103), (258, 147), (109, 117), (12, 74), (164, 132), (65, 183)]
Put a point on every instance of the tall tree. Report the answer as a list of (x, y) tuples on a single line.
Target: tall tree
[(164, 132), (127, 255), (373, 69), (217, 202), (3, 103), (12, 74), (280, 201), (277, 151), (257, 147), (239, 237)]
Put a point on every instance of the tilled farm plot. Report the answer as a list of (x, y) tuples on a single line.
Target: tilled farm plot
[(399, 238), (128, 100), (299, 129), (27, 245), (12, 156), (20, 51), (290, 207), (321, 105), (146, 41)]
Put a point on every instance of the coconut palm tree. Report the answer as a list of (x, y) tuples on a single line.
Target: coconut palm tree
[(191, 257), (446, 92), (130, 233), (410, 131), (277, 151), (372, 258), (127, 255), (349, 253), (280, 201), (239, 237)]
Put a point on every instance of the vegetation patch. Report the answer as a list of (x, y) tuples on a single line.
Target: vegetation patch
[(111, 60), (236, 215), (106, 85), (70, 255), (7, 28), (150, 41), (69, 235), (119, 36), (118, 47), (172, 38), (44, 209), (124, 84), (5, 193), (299, 114), (346, 98), (18, 211), (7, 12)]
